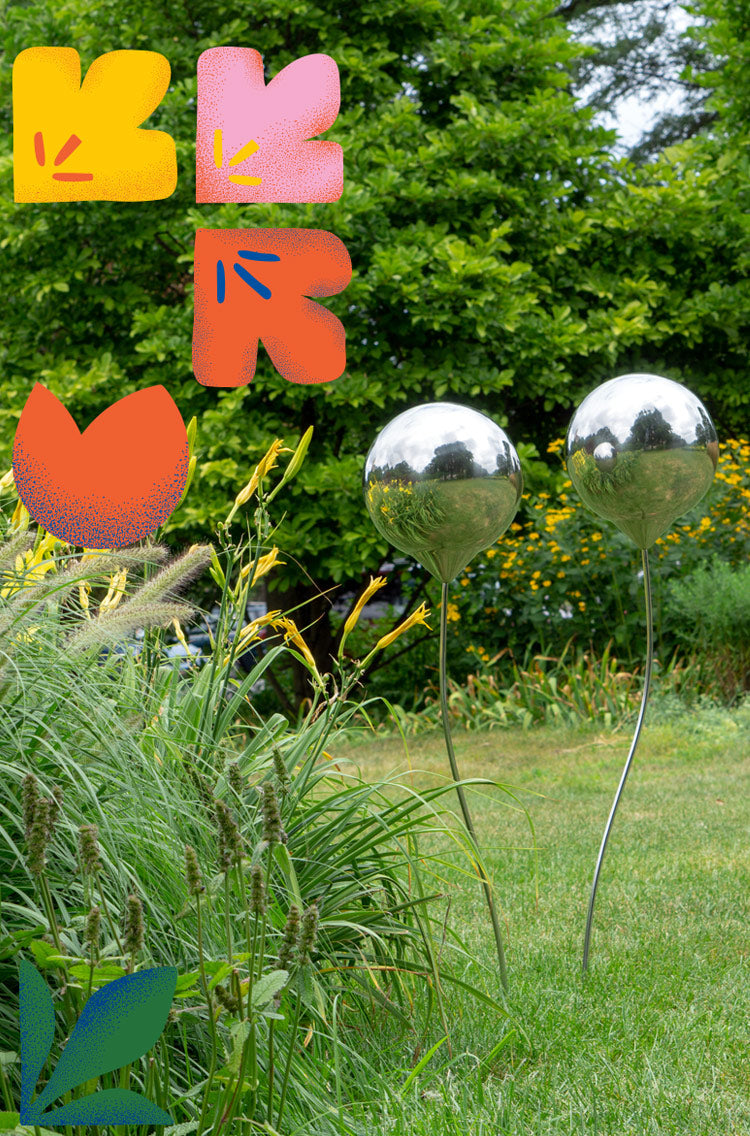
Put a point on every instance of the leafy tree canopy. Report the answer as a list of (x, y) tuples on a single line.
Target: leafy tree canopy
[(502, 258)]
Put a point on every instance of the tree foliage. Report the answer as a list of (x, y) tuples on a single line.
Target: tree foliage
[(502, 258)]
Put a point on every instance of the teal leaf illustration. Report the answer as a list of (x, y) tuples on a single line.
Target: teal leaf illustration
[(118, 1024), (37, 1019), (109, 1106)]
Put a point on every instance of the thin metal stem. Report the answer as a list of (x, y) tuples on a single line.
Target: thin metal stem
[(628, 763), (459, 787)]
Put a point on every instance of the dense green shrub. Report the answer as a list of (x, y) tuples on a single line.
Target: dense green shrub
[(709, 612), (560, 572)]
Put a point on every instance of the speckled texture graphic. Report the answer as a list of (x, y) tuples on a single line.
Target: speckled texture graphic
[(253, 284), (112, 484), (254, 142), (76, 141)]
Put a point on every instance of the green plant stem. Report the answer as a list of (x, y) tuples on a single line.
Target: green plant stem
[(108, 917), (6, 1090), (227, 920), (271, 1069), (459, 787), (211, 1022), (288, 1066)]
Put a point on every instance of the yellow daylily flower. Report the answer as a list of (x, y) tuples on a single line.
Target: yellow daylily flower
[(376, 583), (265, 564), (418, 616), (115, 593), (292, 635)]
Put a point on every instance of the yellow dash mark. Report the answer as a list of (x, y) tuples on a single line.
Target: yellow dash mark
[(218, 156), (242, 180), (248, 149)]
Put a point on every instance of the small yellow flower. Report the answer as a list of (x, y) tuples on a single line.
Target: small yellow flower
[(115, 593), (292, 635), (376, 583), (264, 566), (452, 613), (418, 616), (264, 466)]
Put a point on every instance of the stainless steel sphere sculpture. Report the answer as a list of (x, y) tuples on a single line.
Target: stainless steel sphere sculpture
[(442, 482), (641, 450)]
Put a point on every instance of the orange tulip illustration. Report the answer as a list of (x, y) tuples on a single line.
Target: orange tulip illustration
[(112, 484), (76, 141)]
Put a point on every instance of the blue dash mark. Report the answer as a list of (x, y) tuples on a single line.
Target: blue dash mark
[(254, 284), (247, 255), (221, 284)]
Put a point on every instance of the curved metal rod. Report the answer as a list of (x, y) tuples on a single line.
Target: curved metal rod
[(628, 763), (459, 787)]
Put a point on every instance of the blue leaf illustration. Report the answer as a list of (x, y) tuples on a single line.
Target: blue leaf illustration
[(118, 1024), (109, 1106), (37, 1029)]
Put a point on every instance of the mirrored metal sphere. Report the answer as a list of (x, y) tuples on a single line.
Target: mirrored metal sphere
[(442, 482), (641, 450)]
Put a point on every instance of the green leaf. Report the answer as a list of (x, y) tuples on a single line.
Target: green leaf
[(118, 1025), (107, 972), (110, 1106), (267, 986), (37, 1020)]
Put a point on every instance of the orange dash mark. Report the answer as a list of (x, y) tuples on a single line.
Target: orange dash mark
[(65, 151), (39, 147), (73, 177)]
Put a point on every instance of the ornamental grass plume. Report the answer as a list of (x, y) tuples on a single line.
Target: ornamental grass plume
[(39, 837), (192, 871), (88, 849), (126, 620), (234, 777), (283, 783), (230, 839), (92, 930), (308, 934), (27, 600), (29, 801), (288, 939), (258, 903), (175, 575), (273, 832), (16, 546), (134, 929)]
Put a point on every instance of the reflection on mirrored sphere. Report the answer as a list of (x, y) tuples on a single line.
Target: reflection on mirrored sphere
[(641, 450), (442, 482)]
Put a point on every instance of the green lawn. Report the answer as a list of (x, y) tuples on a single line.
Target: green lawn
[(657, 1039)]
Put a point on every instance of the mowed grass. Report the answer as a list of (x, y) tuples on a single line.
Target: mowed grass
[(657, 1038)]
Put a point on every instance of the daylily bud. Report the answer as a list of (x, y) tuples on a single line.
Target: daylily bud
[(192, 430)]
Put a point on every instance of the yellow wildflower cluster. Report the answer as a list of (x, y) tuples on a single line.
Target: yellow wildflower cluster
[(559, 565)]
